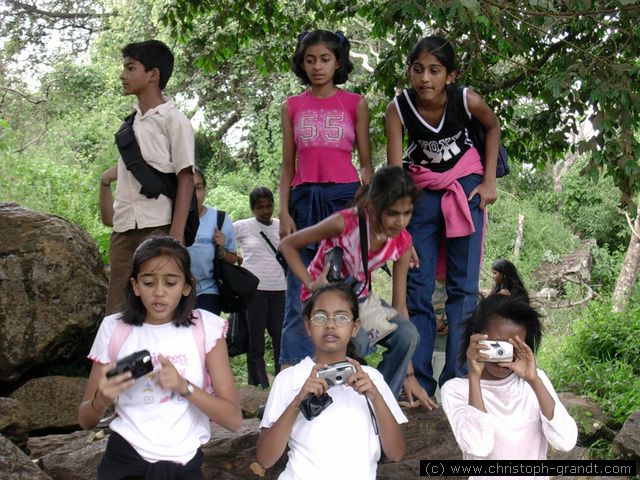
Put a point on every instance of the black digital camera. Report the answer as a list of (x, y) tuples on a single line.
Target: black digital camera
[(334, 259), (138, 363)]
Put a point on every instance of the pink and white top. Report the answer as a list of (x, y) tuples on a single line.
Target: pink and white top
[(324, 133), (158, 424), (349, 241)]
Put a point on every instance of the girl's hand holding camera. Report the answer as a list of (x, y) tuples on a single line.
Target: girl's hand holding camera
[(314, 385), (524, 361), (361, 382), (475, 356), (109, 388)]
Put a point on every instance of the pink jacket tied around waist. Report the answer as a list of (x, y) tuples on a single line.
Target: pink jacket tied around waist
[(454, 203)]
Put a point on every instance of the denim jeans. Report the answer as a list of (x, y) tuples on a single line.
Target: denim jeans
[(463, 256), (309, 203), (400, 344), (209, 302)]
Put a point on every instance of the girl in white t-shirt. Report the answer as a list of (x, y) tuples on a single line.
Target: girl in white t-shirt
[(363, 409), (506, 410), (162, 417)]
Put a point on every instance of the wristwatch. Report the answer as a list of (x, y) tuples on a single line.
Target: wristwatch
[(189, 390)]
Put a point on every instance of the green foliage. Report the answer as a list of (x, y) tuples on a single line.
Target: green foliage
[(599, 358), (545, 235), (592, 207)]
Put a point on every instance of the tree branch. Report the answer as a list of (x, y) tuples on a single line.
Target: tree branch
[(29, 99), (59, 15)]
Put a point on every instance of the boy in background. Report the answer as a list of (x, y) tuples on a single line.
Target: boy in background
[(166, 141)]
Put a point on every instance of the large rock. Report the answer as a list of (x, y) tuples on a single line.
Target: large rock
[(428, 436), (251, 398), (16, 465), (627, 441), (575, 266), (52, 402), (591, 420), (40, 446), (14, 422), (76, 460), (52, 291)]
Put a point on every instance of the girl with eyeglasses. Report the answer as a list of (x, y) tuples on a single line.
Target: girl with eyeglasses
[(387, 205), (362, 409)]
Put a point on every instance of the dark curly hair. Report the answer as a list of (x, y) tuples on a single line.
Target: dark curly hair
[(495, 307), (336, 42), (388, 185), (134, 311), (152, 54)]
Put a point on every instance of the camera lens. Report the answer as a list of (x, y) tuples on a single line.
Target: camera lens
[(500, 352), (338, 378)]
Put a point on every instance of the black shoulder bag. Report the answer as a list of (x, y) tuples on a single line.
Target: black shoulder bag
[(237, 285), (278, 254), (153, 182)]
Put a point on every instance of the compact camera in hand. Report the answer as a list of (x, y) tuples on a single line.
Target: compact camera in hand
[(337, 373), (499, 351), (138, 363)]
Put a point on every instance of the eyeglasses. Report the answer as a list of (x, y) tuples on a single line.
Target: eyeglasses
[(320, 319)]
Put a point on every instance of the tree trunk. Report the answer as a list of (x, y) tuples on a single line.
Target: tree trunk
[(519, 236), (630, 267)]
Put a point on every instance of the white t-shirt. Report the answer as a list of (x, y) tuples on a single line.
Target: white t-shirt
[(513, 428), (258, 257), (341, 441), (159, 425)]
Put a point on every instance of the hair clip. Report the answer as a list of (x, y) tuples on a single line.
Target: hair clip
[(341, 38), (302, 35)]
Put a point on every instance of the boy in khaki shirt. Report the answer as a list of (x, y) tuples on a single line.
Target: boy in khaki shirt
[(166, 140)]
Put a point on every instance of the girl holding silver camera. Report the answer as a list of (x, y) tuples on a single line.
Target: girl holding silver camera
[(304, 412), (385, 207), (506, 408)]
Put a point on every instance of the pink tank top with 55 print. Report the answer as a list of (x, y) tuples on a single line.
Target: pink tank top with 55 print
[(324, 134)]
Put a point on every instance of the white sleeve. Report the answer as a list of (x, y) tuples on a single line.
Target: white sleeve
[(280, 396), (215, 328), (386, 393), (561, 431), (471, 427), (100, 349)]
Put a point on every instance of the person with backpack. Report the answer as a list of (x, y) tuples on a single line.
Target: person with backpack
[(456, 185), (209, 242), (162, 417), (166, 143)]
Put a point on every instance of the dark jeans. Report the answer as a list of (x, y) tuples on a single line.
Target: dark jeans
[(462, 275), (209, 302), (309, 204), (265, 311)]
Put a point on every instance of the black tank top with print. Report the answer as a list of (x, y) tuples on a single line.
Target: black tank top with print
[(436, 148)]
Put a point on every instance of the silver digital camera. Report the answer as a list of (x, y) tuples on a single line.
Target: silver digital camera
[(337, 373), (499, 351)]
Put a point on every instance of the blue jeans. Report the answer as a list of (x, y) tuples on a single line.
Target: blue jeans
[(400, 344), (308, 205), (209, 302), (463, 271)]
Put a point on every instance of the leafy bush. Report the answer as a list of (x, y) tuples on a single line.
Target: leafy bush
[(600, 359), (545, 235), (591, 207)]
